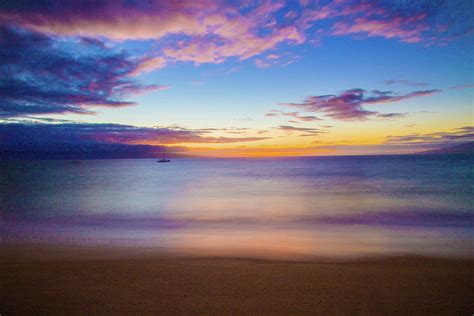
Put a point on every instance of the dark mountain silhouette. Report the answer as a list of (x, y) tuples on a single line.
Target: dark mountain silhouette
[(86, 151), (464, 148)]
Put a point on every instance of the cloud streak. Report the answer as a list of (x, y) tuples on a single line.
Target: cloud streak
[(296, 117), (306, 131), (405, 82), (457, 135), (407, 29), (349, 104), (462, 86)]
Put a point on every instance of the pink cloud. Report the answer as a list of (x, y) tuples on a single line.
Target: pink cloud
[(260, 63), (274, 59), (201, 49), (404, 28), (139, 90), (149, 64), (291, 15), (273, 56), (117, 20)]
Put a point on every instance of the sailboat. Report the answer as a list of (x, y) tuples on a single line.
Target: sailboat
[(163, 158)]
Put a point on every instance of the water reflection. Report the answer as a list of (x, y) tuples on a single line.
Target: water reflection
[(286, 208)]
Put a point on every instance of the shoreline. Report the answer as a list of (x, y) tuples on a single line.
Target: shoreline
[(14, 252), (170, 285)]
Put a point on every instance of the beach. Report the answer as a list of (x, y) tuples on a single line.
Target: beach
[(220, 286)]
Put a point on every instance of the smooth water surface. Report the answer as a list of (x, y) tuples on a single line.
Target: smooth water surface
[(278, 207)]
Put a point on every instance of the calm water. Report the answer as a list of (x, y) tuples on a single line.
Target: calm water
[(287, 208)]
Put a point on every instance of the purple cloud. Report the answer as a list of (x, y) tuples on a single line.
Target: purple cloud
[(427, 22), (295, 115), (42, 75), (391, 115), (307, 131), (457, 135), (405, 82), (462, 86), (348, 105)]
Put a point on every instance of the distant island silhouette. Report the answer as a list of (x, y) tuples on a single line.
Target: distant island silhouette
[(465, 148)]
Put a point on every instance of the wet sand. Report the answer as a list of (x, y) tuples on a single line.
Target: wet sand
[(222, 286)]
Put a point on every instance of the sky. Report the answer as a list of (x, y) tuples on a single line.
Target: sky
[(245, 79)]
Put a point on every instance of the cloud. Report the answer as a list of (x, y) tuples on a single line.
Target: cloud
[(370, 19), (307, 131), (118, 20), (206, 31), (211, 31), (261, 63), (391, 115), (27, 132), (428, 22), (348, 105), (32, 139), (454, 136), (202, 49), (308, 118), (274, 60), (295, 115), (271, 114), (243, 119), (42, 75), (404, 144), (149, 64), (405, 82), (407, 29), (462, 86)]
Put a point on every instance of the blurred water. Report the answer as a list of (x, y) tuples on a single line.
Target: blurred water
[(279, 207)]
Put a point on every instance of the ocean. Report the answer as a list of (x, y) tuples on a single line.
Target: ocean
[(287, 208)]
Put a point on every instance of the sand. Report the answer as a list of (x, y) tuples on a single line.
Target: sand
[(223, 286)]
